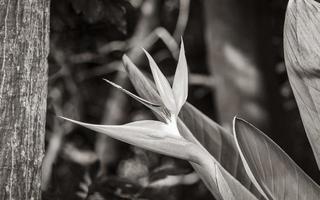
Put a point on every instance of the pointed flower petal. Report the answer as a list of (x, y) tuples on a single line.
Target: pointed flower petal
[(150, 135), (152, 106), (143, 86), (180, 82), (162, 84)]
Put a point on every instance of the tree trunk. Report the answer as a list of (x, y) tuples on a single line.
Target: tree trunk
[(24, 47), (232, 58)]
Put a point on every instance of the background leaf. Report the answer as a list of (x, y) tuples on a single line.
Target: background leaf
[(273, 170), (302, 56)]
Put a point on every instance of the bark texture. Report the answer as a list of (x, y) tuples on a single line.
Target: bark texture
[(24, 46)]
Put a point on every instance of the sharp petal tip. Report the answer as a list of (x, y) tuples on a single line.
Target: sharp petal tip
[(182, 44), (64, 118), (126, 62), (147, 54), (125, 57), (113, 84), (106, 80), (71, 120)]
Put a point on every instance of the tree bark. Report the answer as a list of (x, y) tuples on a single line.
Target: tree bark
[(24, 47)]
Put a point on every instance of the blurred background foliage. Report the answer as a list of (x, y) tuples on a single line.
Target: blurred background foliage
[(235, 58)]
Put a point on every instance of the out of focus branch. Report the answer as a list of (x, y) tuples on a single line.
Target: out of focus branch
[(165, 36), (171, 181), (115, 107), (143, 38), (184, 9), (232, 61), (200, 80), (53, 149), (55, 141)]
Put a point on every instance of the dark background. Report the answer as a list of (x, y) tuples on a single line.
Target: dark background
[(87, 41)]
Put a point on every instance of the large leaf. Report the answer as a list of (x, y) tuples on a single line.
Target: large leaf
[(270, 168), (219, 181), (223, 185), (217, 141), (212, 136), (302, 57)]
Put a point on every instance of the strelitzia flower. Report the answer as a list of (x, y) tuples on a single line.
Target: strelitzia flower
[(158, 136), (171, 136)]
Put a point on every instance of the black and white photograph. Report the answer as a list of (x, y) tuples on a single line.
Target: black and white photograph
[(159, 99)]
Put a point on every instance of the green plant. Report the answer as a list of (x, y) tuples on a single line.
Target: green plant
[(246, 164)]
